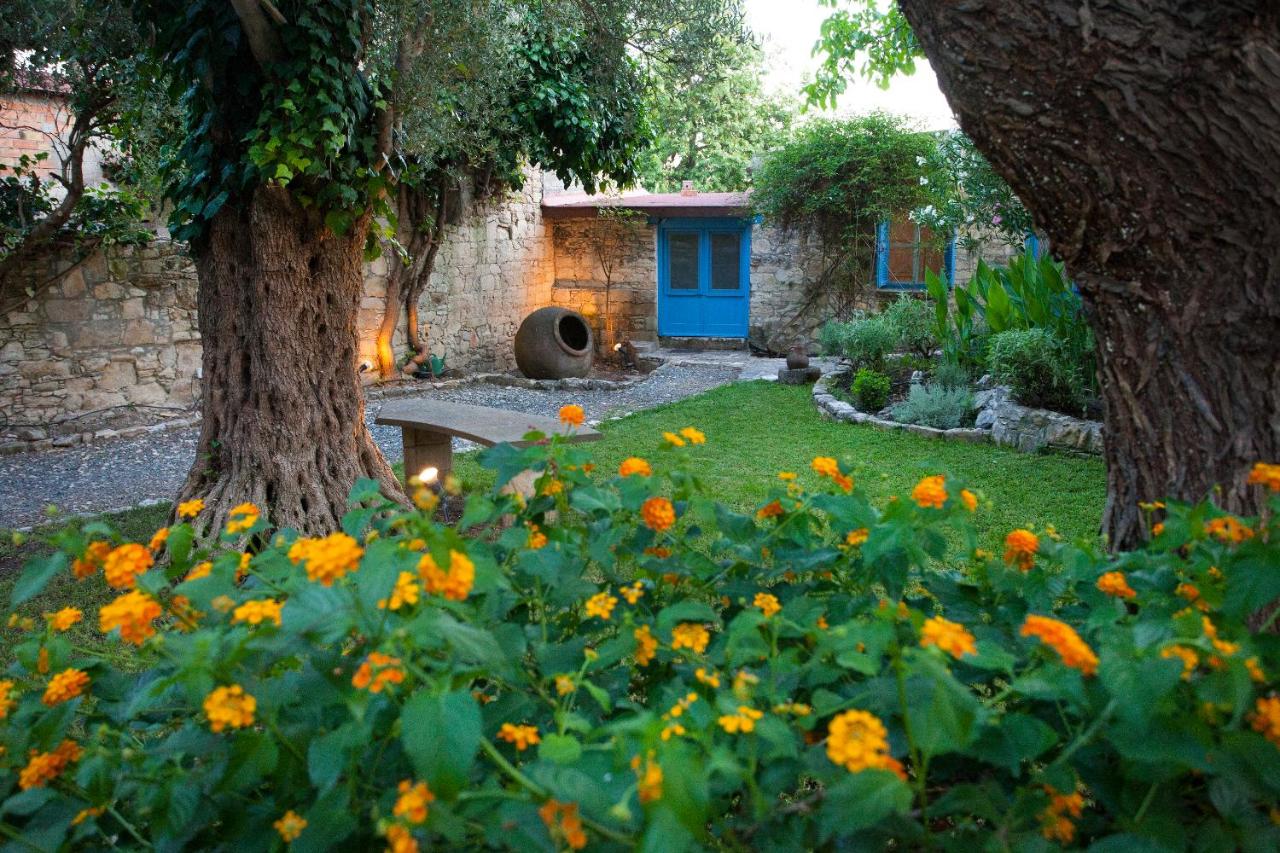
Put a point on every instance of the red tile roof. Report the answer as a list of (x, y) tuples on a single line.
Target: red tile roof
[(578, 205)]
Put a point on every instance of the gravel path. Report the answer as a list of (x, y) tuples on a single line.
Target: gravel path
[(121, 474)]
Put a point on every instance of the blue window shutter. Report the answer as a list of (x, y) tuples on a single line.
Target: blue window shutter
[(882, 253), (950, 267), (1033, 245)]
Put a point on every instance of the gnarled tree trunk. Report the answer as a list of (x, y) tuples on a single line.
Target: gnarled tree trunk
[(283, 409), (1144, 136)]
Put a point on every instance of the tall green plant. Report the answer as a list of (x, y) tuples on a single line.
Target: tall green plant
[(1030, 293)]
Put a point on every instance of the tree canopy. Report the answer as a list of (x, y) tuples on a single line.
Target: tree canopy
[(710, 121)]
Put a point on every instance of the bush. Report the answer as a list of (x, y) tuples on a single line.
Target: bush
[(649, 668), (1038, 371), (864, 341), (913, 319), (936, 406), (951, 375), (870, 390), (1029, 293)]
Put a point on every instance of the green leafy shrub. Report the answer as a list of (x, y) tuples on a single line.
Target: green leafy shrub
[(951, 375), (1029, 293), (913, 319), (649, 668), (870, 390), (1038, 370), (864, 341), (937, 406)]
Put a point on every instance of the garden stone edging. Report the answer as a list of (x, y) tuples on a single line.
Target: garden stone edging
[(999, 420), (1030, 430)]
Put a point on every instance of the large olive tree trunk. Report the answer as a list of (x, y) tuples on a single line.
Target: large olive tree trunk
[(283, 409), (1144, 136)]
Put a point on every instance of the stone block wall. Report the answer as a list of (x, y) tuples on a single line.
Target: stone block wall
[(494, 267), (580, 277), (116, 331), (783, 265)]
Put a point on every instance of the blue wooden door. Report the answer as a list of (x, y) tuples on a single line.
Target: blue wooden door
[(704, 283)]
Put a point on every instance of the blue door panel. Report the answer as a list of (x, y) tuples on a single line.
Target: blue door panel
[(714, 303)]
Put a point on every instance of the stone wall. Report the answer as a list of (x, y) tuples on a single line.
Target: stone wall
[(115, 343), (116, 333), (783, 265), (494, 267), (580, 276)]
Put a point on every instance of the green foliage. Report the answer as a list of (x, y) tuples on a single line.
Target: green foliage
[(913, 320), (950, 374), (873, 39), (864, 340), (868, 40), (838, 179), (362, 94), (103, 216), (790, 617), (1038, 369), (972, 201), (870, 390), (709, 122), (1028, 294), (89, 50), (936, 405)]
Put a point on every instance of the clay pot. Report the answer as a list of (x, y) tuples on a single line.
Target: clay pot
[(798, 357), (554, 343)]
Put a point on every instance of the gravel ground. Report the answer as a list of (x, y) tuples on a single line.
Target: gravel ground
[(120, 474)]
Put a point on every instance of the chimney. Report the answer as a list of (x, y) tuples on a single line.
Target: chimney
[(687, 188)]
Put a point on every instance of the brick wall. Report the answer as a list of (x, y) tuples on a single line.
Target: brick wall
[(33, 123)]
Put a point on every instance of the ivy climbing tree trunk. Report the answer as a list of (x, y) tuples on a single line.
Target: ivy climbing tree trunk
[(1144, 136), (283, 410)]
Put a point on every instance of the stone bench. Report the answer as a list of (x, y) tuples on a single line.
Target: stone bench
[(429, 427)]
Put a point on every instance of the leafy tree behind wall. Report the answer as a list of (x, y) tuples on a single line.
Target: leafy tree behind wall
[(835, 180), (711, 120), (83, 58)]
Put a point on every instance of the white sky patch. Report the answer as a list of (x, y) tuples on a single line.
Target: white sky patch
[(789, 29)]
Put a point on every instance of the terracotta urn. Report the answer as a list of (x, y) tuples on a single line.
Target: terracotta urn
[(554, 343)]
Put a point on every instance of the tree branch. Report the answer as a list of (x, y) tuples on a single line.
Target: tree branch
[(264, 41)]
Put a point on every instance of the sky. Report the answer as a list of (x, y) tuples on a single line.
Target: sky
[(789, 28)]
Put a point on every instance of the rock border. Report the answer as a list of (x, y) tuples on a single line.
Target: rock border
[(839, 410), (1002, 422), (374, 393)]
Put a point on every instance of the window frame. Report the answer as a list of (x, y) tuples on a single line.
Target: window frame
[(884, 282)]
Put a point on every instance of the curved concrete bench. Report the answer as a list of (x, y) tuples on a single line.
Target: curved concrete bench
[(429, 427)]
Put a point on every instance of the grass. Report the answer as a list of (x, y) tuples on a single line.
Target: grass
[(64, 591), (754, 430)]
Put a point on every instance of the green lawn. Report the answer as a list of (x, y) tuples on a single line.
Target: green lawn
[(756, 429), (753, 431)]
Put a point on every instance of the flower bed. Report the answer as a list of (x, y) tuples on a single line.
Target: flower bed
[(999, 419), (620, 660), (836, 408)]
